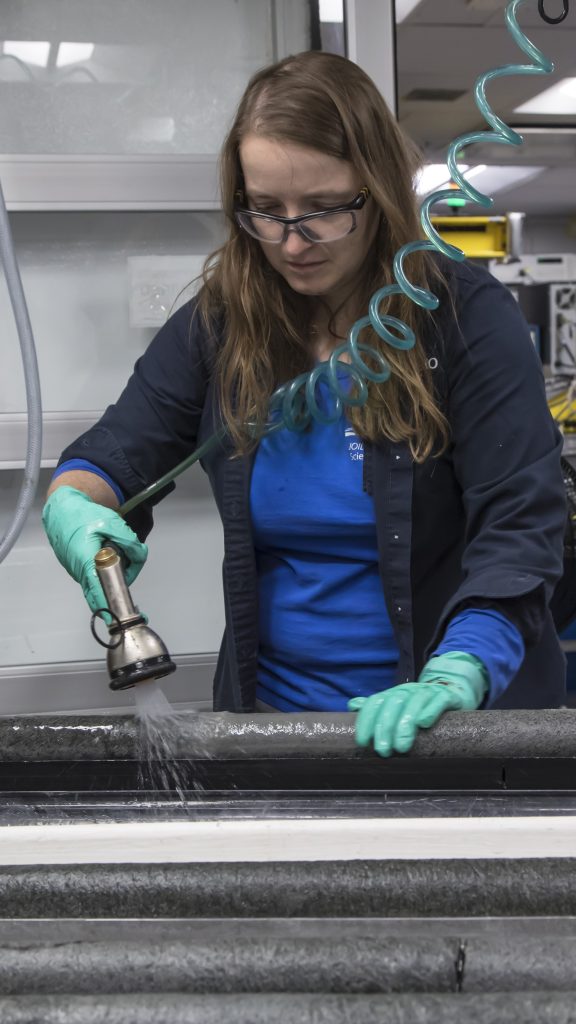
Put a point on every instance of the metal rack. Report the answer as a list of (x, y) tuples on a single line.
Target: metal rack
[(563, 328)]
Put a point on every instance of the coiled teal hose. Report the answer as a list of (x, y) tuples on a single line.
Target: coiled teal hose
[(294, 404), (500, 133)]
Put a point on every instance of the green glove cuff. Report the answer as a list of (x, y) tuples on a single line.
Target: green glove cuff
[(77, 527), (465, 672)]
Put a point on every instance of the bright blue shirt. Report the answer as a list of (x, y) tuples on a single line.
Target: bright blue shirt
[(490, 636), (325, 633), (89, 467)]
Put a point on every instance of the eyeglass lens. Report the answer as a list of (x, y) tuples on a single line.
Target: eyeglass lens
[(327, 228)]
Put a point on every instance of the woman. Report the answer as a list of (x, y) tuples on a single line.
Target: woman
[(400, 560)]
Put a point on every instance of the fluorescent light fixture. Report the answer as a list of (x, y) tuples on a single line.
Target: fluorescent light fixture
[(73, 53), (494, 178), (543, 129), (404, 8), (433, 176), (558, 99), (30, 52), (475, 170)]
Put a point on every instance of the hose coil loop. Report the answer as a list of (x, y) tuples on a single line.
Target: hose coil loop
[(294, 405)]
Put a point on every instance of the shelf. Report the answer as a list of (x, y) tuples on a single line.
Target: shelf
[(59, 429), (51, 183), (81, 687), (21, 464)]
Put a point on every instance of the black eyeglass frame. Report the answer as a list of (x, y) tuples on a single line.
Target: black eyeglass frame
[(295, 222)]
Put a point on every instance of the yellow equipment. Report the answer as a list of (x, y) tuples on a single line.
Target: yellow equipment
[(562, 405), (478, 237)]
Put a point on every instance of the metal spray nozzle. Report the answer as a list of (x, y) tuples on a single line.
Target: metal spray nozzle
[(136, 653)]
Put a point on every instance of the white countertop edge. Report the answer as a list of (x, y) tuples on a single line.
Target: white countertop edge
[(288, 840)]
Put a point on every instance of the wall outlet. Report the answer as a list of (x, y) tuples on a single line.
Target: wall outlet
[(160, 284)]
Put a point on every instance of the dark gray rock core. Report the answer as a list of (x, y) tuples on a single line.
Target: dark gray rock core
[(531, 965), (478, 734), (362, 966), (283, 965), (437, 888), (516, 1008)]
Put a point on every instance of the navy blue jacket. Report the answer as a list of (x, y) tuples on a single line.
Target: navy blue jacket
[(481, 525)]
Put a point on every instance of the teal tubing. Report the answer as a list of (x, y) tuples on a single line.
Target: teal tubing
[(294, 404)]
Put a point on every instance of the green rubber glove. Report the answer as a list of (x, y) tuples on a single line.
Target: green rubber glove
[(449, 682), (77, 528)]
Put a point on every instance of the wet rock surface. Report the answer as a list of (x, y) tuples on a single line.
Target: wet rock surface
[(478, 734)]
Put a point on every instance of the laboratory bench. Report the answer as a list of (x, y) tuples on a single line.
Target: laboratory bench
[(275, 871)]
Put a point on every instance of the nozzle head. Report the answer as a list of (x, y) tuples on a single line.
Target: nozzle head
[(123, 677), (139, 654)]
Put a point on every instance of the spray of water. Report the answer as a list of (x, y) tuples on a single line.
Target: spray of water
[(159, 730)]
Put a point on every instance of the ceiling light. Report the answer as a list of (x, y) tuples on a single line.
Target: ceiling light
[(404, 8), (543, 129), (495, 178), (433, 176), (73, 53), (475, 170), (558, 99), (30, 52)]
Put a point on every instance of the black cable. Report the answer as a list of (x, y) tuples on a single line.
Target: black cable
[(547, 18)]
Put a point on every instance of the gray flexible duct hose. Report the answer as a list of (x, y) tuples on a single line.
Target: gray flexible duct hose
[(32, 380)]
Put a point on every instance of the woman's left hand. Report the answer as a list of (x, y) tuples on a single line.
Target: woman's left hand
[(449, 682)]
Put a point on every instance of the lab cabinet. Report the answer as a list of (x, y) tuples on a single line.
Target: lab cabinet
[(127, 101), (563, 328), (124, 103), (98, 286), (111, 118), (134, 76)]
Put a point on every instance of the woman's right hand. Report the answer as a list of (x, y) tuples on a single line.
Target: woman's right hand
[(77, 528)]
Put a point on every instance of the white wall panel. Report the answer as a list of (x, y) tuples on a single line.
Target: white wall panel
[(76, 272), (162, 77), (134, 126), (45, 637)]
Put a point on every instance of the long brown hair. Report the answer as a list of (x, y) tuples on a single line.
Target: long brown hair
[(327, 103)]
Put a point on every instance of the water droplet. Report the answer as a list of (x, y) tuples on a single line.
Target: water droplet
[(160, 730)]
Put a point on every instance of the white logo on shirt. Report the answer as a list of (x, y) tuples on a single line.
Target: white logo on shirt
[(355, 445)]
